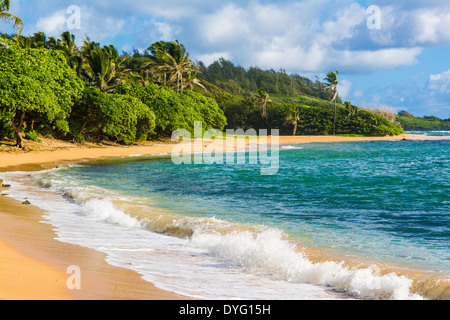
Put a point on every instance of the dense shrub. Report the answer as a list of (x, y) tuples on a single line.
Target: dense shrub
[(122, 118), (37, 89), (178, 111)]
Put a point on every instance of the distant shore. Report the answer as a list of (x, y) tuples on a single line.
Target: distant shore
[(33, 264)]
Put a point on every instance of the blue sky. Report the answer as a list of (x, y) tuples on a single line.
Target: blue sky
[(404, 64)]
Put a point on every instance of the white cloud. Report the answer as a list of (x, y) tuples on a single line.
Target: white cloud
[(94, 23), (228, 25), (208, 59), (377, 59), (344, 89), (358, 94), (54, 23), (432, 26), (299, 37), (440, 83), (166, 31)]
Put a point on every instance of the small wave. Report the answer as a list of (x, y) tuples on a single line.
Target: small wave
[(269, 254), (104, 210), (290, 147), (262, 251), (265, 252)]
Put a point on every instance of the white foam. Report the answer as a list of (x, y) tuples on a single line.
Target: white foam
[(290, 147), (269, 254), (103, 210), (209, 265)]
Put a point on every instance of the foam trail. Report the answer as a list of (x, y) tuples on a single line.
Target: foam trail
[(269, 254), (263, 252)]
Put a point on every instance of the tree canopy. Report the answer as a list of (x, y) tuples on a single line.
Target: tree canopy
[(92, 92), (36, 85)]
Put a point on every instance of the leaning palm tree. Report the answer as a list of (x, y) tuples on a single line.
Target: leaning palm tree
[(171, 62), (10, 18), (192, 80), (263, 99), (292, 118), (333, 82)]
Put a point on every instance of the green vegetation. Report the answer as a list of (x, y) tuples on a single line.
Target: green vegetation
[(8, 17), (92, 93), (332, 84), (430, 123), (117, 117), (53, 87), (37, 91), (260, 99)]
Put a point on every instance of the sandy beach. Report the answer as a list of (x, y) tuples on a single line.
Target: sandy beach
[(33, 265)]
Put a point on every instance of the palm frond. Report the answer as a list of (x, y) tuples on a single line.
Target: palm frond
[(14, 20)]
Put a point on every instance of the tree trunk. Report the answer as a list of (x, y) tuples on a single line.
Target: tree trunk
[(3, 45), (295, 128), (32, 125), (334, 130), (18, 130)]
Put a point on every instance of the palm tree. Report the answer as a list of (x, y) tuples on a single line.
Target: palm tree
[(263, 100), (8, 17), (351, 110), (292, 118), (171, 61), (102, 67), (66, 44), (333, 82), (192, 80)]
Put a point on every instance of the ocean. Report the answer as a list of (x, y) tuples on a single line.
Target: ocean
[(353, 220)]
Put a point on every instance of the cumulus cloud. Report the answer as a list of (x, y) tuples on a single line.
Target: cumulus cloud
[(93, 23), (299, 36), (440, 83), (344, 89), (305, 37), (54, 23)]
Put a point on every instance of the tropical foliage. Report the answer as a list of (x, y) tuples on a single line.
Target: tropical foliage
[(9, 17), (428, 123), (121, 118), (115, 96), (93, 92), (37, 90), (174, 111), (332, 84)]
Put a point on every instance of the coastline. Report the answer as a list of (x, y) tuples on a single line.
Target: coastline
[(33, 264)]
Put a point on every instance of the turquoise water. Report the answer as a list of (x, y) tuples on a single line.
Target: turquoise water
[(431, 133), (375, 215), (386, 201)]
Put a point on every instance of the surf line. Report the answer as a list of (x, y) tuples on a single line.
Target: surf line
[(213, 147)]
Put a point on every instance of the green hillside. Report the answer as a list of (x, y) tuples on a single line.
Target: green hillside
[(91, 92), (429, 123), (291, 97)]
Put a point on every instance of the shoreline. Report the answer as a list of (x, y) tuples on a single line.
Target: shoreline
[(30, 254)]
